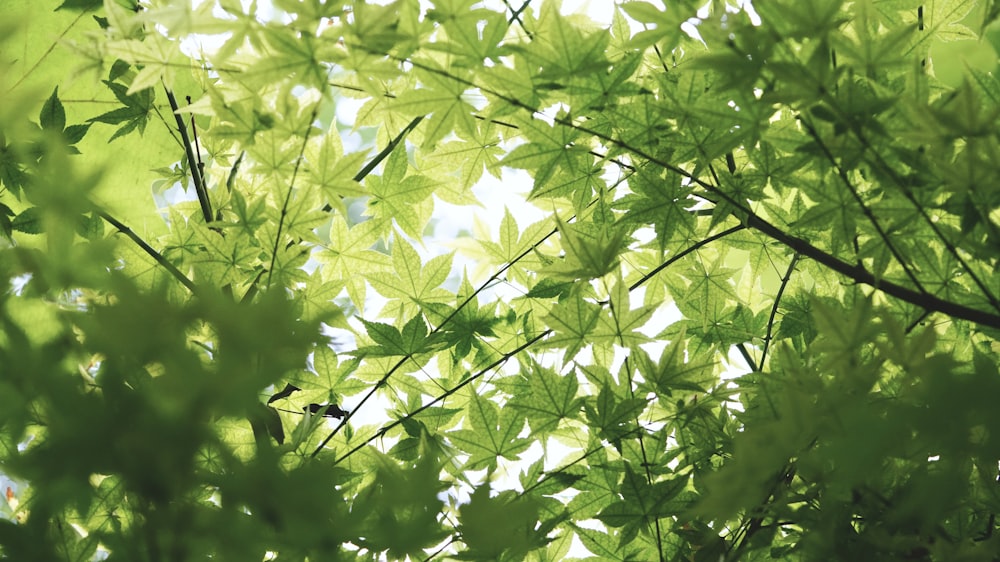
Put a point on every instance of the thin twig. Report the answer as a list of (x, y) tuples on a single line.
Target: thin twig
[(649, 275), (865, 209), (774, 308), (383, 154), (742, 348), (515, 15), (386, 428), (160, 259), (291, 189), (642, 446)]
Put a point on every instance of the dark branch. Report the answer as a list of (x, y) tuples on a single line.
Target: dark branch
[(149, 250), (865, 209), (196, 177), (905, 190), (752, 220), (383, 154)]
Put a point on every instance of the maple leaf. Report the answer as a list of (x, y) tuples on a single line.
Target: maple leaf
[(620, 324), (465, 325), (493, 434), (545, 396), (413, 282), (442, 99), (592, 250), (572, 320), (390, 341), (134, 114), (396, 196)]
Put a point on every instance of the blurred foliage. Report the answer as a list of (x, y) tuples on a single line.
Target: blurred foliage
[(195, 315)]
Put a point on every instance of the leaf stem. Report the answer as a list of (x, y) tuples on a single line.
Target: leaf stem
[(642, 446), (291, 189)]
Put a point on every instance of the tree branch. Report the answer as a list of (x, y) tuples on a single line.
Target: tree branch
[(751, 219), (149, 250), (196, 177), (386, 428), (685, 252), (884, 166), (865, 210), (383, 154)]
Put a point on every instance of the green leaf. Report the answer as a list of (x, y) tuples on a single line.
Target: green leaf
[(390, 341), (500, 525), (29, 221), (463, 327), (442, 99), (675, 372), (613, 416), (565, 50), (413, 280), (643, 12), (661, 203), (493, 434), (82, 5), (53, 116), (546, 397), (6, 227), (620, 324), (559, 166), (133, 116), (572, 321), (75, 133), (405, 200), (387, 338), (590, 252)]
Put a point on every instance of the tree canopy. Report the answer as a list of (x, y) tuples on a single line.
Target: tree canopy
[(758, 318)]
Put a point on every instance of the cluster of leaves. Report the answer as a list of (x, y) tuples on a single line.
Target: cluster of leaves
[(814, 194)]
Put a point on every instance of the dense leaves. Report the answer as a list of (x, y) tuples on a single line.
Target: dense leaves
[(483, 281)]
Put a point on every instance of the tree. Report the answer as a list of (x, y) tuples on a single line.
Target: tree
[(814, 194)]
